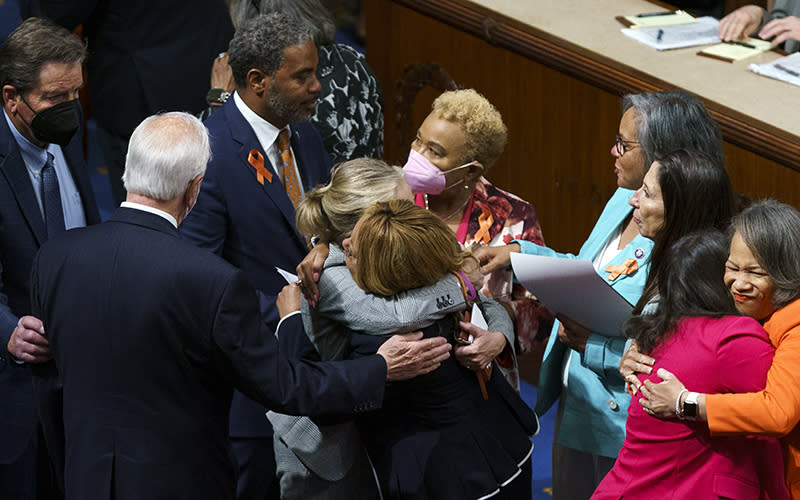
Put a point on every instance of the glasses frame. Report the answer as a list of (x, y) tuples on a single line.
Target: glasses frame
[(622, 145)]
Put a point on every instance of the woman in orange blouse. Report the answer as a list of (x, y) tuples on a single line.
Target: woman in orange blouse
[(763, 275)]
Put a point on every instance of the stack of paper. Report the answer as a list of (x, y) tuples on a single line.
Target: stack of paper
[(737, 50), (666, 18), (786, 69), (702, 32), (573, 288)]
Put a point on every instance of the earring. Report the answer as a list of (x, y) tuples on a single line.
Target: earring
[(467, 187)]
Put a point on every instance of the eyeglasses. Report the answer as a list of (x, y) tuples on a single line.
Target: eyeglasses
[(622, 145)]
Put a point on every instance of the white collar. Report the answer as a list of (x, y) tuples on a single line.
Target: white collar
[(264, 130), (152, 210)]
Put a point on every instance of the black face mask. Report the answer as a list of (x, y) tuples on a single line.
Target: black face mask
[(56, 124)]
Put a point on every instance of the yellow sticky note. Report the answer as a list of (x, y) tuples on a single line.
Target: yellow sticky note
[(734, 51), (665, 19)]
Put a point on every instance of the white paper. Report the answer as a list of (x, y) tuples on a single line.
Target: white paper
[(573, 288), (703, 32), (289, 277), (477, 319), (781, 69)]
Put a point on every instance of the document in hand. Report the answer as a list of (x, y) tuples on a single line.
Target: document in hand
[(289, 277), (703, 32), (786, 69), (572, 287), (736, 50)]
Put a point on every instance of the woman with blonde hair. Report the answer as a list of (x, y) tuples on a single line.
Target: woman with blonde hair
[(333, 464), (436, 436)]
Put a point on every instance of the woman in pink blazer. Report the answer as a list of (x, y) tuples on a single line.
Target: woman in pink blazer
[(694, 331)]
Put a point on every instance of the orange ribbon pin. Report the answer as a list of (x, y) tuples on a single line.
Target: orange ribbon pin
[(485, 220), (627, 267), (256, 159)]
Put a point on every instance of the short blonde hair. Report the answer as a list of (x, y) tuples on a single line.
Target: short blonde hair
[(332, 210), (400, 246), (479, 119)]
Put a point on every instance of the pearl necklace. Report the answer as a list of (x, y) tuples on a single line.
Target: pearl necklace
[(454, 212)]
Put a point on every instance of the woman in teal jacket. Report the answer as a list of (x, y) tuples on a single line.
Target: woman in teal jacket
[(580, 367)]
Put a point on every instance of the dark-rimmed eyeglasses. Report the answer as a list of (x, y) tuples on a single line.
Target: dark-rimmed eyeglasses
[(623, 146)]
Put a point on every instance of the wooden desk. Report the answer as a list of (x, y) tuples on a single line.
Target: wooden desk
[(555, 69)]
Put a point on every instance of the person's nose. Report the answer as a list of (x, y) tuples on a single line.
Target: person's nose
[(315, 87), (634, 201)]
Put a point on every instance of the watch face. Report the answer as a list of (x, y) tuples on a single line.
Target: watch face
[(217, 95), (690, 409)]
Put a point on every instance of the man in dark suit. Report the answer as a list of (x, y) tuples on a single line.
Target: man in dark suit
[(139, 51), (44, 189), (246, 209), (150, 335)]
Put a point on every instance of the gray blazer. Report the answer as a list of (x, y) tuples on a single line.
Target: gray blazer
[(331, 450)]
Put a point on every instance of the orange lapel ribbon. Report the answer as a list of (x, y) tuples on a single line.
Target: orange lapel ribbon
[(485, 220), (256, 159), (627, 267)]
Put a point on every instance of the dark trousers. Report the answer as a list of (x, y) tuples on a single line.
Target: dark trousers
[(31, 476), (256, 461)]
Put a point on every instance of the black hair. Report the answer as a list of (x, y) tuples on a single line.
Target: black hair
[(690, 284), (697, 195)]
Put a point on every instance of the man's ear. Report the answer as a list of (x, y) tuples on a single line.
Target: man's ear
[(190, 197), (9, 94), (257, 81)]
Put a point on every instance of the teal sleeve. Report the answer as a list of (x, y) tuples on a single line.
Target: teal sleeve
[(530, 248), (603, 355)]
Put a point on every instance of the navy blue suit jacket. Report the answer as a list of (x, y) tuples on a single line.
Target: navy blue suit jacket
[(22, 232), (250, 225), (150, 335)]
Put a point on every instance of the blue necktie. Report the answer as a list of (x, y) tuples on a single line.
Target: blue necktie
[(51, 199)]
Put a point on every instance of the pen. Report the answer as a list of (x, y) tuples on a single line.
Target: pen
[(787, 70), (654, 14), (741, 44), (660, 34)]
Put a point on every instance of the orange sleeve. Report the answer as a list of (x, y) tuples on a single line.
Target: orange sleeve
[(775, 411)]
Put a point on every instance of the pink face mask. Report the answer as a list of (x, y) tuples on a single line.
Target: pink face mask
[(425, 177)]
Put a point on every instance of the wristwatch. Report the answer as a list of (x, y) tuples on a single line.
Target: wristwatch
[(690, 406), (217, 96)]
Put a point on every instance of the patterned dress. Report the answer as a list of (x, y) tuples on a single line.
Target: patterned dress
[(349, 113)]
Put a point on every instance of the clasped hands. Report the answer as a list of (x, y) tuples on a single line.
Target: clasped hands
[(658, 399)]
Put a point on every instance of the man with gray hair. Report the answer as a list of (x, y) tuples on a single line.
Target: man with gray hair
[(44, 190), (265, 155), (151, 334)]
